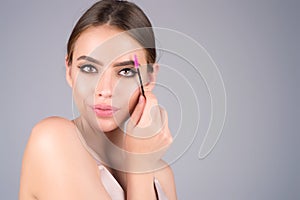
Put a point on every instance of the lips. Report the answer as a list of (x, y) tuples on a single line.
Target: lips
[(104, 110)]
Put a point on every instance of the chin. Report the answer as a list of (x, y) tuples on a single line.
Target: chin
[(107, 125)]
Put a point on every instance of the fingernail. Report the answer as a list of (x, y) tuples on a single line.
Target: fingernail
[(141, 99)]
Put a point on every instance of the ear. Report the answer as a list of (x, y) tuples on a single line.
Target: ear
[(152, 77), (68, 72)]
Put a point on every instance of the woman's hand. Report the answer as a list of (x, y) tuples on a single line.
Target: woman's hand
[(147, 138), (147, 135)]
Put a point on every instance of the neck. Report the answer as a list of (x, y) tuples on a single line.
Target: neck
[(104, 144)]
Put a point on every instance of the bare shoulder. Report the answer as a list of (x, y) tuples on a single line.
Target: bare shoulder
[(51, 135), (55, 163), (52, 126), (166, 179)]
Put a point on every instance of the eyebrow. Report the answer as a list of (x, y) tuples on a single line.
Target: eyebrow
[(124, 63), (90, 59), (118, 64)]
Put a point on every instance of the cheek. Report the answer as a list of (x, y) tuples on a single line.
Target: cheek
[(83, 88), (126, 91)]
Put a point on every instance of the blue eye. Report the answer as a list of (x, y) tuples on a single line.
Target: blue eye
[(88, 69), (127, 72)]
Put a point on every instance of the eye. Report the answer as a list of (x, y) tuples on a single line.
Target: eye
[(127, 72), (88, 69)]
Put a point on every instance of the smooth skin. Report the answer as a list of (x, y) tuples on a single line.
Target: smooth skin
[(57, 166)]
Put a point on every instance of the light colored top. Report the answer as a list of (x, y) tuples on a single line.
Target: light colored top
[(109, 182), (114, 189)]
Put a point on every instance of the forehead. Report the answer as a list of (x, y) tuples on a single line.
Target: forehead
[(106, 43)]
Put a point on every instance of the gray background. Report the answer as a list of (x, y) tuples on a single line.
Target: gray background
[(256, 47)]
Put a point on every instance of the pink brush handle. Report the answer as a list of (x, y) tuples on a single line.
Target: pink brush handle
[(136, 64)]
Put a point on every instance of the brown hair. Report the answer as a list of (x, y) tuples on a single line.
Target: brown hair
[(121, 14)]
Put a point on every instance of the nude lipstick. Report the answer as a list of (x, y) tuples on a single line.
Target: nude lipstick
[(104, 110)]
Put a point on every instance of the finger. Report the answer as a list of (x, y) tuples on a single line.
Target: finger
[(163, 117), (138, 111), (146, 118), (159, 119), (150, 123)]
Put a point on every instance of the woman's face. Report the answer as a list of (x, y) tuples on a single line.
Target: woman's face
[(103, 76)]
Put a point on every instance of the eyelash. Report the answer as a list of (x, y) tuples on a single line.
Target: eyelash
[(92, 69), (130, 70), (83, 68)]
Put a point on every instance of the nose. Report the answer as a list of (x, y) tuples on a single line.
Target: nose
[(104, 85)]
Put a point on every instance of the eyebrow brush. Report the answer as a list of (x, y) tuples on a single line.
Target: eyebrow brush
[(136, 64)]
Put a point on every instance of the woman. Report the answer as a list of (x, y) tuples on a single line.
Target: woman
[(113, 149)]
